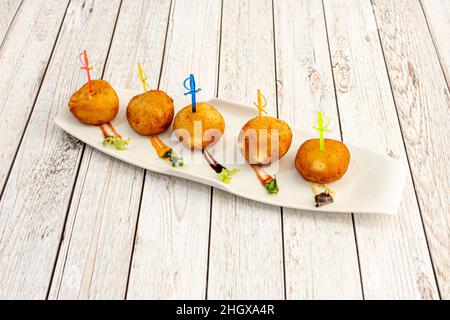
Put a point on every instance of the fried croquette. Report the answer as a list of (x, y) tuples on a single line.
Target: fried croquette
[(151, 112), (97, 107), (322, 167), (255, 140), (201, 128)]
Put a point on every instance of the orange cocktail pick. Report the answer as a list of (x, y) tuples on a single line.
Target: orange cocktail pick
[(85, 66)]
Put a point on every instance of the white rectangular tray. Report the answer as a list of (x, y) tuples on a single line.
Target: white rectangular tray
[(373, 183)]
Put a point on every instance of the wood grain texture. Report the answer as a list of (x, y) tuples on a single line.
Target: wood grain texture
[(23, 60), (246, 254), (95, 255), (423, 104), (321, 259), (437, 13), (393, 253), (69, 215), (171, 249), (36, 197), (9, 10)]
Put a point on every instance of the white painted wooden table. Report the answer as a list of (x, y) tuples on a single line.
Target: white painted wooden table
[(75, 223)]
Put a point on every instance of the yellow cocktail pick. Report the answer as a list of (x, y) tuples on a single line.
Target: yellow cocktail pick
[(322, 128), (260, 105), (142, 77)]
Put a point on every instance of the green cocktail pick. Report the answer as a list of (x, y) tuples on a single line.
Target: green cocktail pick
[(321, 127)]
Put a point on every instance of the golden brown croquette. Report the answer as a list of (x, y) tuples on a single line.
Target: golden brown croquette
[(97, 107), (201, 128), (322, 167), (151, 112), (255, 140)]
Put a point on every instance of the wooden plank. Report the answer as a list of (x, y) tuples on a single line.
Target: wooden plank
[(94, 259), (314, 268), (36, 197), (23, 62), (9, 10), (246, 254), (171, 249), (393, 252), (423, 104), (437, 14)]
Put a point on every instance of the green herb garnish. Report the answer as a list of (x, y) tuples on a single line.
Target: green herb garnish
[(176, 161), (272, 186), (225, 175), (116, 142), (167, 154)]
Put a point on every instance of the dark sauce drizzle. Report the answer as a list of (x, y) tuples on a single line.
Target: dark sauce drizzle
[(216, 166), (323, 199)]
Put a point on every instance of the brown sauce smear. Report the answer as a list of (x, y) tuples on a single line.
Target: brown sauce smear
[(115, 133), (105, 133), (262, 175), (113, 130)]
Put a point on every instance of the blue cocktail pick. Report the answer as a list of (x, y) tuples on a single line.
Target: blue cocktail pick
[(191, 90)]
